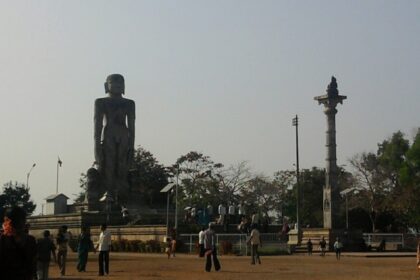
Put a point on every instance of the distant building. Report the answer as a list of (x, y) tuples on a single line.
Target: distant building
[(56, 204)]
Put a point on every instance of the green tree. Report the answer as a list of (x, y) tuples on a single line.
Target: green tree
[(373, 185), (196, 175), (312, 182), (265, 196), (407, 201), (231, 182), (80, 197), (148, 177), (284, 182), (391, 158), (17, 194)]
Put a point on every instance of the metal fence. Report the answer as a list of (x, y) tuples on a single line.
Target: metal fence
[(373, 239), (238, 241)]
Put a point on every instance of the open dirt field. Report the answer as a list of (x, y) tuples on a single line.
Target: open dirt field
[(154, 266)]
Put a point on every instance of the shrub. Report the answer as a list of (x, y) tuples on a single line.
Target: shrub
[(142, 247), (152, 246)]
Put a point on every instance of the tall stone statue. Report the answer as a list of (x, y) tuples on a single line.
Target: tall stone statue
[(114, 136)]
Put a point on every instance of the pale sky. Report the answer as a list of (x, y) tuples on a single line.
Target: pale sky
[(224, 78)]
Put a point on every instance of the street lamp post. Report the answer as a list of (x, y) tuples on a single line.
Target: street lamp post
[(167, 189), (346, 193), (176, 198), (347, 214), (28, 174)]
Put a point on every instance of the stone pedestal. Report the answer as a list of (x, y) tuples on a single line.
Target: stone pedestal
[(330, 191), (294, 237)]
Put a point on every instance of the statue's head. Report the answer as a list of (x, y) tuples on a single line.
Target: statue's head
[(114, 84)]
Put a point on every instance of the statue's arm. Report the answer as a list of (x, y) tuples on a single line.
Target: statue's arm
[(131, 118), (98, 126)]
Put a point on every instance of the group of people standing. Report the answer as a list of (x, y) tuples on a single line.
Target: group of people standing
[(208, 248), (22, 257), (85, 245), (338, 246)]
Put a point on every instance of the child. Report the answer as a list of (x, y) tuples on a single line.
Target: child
[(337, 247), (168, 247), (323, 246), (309, 246), (418, 255)]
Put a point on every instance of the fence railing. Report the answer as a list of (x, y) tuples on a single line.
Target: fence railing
[(373, 239), (238, 241)]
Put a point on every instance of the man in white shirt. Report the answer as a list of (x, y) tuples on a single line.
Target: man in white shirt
[(241, 210), (103, 246), (255, 240), (210, 211), (210, 248), (222, 213), (231, 211), (201, 241)]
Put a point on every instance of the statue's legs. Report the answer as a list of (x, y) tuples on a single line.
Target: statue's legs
[(109, 165), (115, 169), (122, 169)]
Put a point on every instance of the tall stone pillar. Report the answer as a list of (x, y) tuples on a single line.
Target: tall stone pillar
[(330, 191)]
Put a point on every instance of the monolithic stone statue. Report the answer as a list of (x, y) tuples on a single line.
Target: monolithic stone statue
[(114, 136)]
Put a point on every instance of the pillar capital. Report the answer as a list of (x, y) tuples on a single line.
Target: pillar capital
[(332, 98)]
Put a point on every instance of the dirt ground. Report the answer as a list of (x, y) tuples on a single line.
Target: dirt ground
[(183, 267)]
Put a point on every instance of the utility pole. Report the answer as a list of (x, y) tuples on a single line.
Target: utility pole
[(295, 122), (176, 197)]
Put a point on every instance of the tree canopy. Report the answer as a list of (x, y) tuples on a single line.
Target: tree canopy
[(17, 194)]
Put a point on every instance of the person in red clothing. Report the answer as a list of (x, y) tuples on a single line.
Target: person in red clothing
[(17, 248)]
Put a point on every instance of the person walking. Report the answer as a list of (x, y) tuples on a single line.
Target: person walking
[(255, 240), (309, 247), (173, 242), (63, 238), (103, 246), (125, 214), (323, 246), (17, 248), (85, 244), (168, 247), (210, 249), (418, 254), (201, 242), (45, 248), (337, 248)]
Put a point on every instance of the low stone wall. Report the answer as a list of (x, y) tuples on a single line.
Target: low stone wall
[(75, 221)]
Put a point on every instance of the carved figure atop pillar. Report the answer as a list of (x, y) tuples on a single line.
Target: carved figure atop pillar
[(114, 133), (331, 192)]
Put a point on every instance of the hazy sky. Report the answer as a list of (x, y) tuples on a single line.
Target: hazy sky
[(224, 78)]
